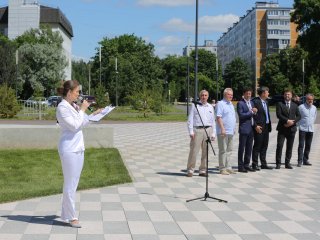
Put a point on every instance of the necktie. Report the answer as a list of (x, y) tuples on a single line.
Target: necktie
[(288, 106), (250, 108), (266, 111)]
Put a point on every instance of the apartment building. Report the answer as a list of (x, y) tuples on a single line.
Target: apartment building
[(22, 15), (209, 45), (263, 30)]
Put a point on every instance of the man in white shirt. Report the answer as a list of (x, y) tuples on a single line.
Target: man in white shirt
[(197, 132), (308, 114), (226, 124)]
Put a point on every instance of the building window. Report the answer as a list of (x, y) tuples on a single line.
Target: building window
[(285, 41)]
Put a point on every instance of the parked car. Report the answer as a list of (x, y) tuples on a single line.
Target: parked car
[(36, 101), (53, 101)]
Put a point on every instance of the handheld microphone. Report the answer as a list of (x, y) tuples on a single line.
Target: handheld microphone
[(196, 103), (81, 98)]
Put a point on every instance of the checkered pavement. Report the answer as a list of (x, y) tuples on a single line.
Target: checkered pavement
[(270, 204)]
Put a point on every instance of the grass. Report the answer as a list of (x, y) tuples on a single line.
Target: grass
[(34, 173)]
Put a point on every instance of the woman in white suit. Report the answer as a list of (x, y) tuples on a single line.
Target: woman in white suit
[(71, 119)]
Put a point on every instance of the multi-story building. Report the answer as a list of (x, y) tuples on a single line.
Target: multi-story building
[(265, 29), (22, 15), (209, 45)]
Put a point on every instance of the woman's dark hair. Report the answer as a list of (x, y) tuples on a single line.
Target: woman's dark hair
[(67, 85)]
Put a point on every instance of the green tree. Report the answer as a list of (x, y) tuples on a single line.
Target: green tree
[(9, 105), (137, 66), (307, 18), (238, 76), (41, 61), (283, 70), (175, 74), (7, 62), (80, 72)]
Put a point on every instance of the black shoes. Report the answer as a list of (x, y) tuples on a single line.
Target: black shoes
[(255, 168), (288, 166), (278, 166), (307, 163), (266, 167), (299, 164), (243, 170), (249, 169)]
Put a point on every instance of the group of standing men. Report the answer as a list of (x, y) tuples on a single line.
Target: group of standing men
[(254, 128)]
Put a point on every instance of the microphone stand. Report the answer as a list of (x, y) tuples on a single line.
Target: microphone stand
[(208, 141)]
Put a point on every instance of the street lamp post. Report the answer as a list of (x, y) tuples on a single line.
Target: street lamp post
[(302, 77), (17, 71), (116, 68), (188, 77), (217, 75), (100, 63), (196, 56)]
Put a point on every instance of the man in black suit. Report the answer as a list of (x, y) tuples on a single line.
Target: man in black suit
[(288, 115), (262, 127), (245, 111)]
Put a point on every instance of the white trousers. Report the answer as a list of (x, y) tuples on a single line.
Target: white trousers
[(72, 163)]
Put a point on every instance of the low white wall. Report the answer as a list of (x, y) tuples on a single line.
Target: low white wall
[(47, 136)]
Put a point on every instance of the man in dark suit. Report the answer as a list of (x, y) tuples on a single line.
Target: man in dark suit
[(262, 128), (245, 111), (288, 115)]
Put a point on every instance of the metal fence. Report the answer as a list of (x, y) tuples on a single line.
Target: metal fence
[(36, 109)]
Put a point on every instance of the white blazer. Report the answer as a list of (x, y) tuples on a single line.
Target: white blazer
[(71, 123)]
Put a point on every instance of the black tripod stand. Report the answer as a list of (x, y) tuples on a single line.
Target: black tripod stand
[(208, 141)]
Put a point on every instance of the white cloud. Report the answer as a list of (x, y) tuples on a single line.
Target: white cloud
[(207, 24), (169, 40), (167, 3)]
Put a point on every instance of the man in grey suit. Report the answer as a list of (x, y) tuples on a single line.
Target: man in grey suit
[(288, 115)]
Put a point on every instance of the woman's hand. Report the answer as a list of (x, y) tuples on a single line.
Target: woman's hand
[(84, 106), (97, 111)]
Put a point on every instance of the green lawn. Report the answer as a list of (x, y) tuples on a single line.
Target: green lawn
[(34, 173)]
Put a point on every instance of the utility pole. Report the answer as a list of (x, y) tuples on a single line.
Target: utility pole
[(100, 62), (196, 56), (188, 76), (116, 68)]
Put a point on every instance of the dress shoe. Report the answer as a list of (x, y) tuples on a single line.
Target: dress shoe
[(307, 164), (230, 171), (288, 166), (266, 167), (189, 174), (299, 164), (249, 169), (278, 166), (255, 168), (203, 174), (224, 172), (243, 170)]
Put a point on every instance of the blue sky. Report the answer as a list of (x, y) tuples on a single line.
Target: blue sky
[(167, 24)]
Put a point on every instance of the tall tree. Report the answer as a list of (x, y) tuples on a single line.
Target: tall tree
[(307, 17), (237, 75), (80, 72), (41, 61), (136, 66), (7, 62)]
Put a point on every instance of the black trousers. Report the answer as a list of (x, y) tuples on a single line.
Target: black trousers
[(245, 150), (260, 146), (284, 135), (305, 140)]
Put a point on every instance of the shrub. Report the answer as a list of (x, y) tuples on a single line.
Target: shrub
[(9, 105)]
